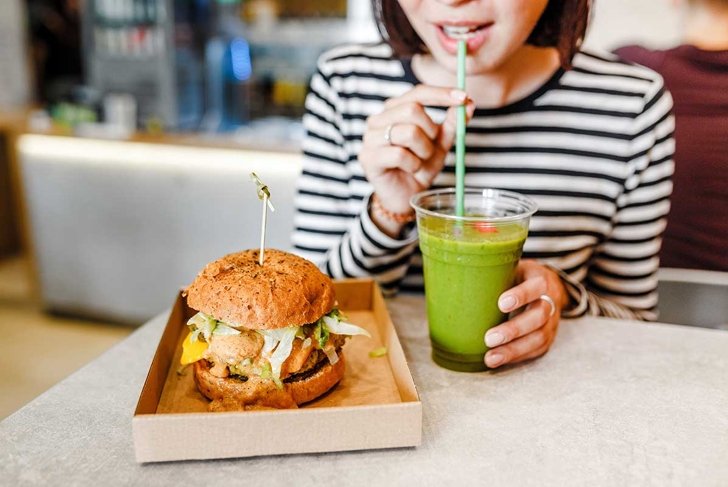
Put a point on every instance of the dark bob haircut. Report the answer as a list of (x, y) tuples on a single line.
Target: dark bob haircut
[(562, 25)]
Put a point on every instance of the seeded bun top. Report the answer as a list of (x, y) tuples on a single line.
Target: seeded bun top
[(286, 290)]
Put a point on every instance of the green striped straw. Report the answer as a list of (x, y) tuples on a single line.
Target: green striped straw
[(460, 135)]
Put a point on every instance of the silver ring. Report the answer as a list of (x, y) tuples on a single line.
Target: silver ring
[(547, 298), (388, 133)]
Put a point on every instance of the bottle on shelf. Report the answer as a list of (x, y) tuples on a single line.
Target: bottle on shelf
[(228, 71)]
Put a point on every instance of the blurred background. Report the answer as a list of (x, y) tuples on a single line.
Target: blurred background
[(128, 129)]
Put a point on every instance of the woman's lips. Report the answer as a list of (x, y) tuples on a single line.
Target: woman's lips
[(474, 39)]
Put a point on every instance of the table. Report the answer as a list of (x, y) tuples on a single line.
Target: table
[(613, 403)]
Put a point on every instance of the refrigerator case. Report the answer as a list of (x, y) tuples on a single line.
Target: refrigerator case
[(129, 48)]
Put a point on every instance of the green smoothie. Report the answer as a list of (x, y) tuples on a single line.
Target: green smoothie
[(467, 266)]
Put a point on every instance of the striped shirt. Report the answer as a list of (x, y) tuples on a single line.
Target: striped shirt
[(593, 147)]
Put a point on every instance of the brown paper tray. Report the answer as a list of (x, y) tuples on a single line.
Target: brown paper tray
[(374, 406)]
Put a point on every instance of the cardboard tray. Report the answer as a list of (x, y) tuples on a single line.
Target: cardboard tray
[(374, 406)]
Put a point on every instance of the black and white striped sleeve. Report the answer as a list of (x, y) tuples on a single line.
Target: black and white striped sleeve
[(622, 277), (332, 223)]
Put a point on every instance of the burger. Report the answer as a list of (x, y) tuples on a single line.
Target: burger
[(264, 336)]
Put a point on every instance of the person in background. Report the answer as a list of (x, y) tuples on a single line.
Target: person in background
[(587, 136), (696, 73)]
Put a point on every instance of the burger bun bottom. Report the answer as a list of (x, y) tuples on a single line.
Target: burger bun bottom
[(231, 394)]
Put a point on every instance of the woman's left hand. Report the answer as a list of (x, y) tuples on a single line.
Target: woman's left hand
[(530, 333)]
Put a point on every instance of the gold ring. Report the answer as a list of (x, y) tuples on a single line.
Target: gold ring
[(388, 134), (547, 298)]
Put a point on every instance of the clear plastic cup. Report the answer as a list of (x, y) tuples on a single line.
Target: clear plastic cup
[(469, 261)]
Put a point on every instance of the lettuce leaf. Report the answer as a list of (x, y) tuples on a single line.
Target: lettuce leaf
[(206, 325), (277, 347), (224, 330), (201, 324), (330, 352), (335, 324), (321, 334)]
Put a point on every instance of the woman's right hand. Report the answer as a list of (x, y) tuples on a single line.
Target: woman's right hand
[(416, 154)]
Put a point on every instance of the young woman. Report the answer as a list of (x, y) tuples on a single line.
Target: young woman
[(587, 137)]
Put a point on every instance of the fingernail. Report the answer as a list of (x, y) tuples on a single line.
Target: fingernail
[(494, 339), (458, 95), (507, 302), (493, 359)]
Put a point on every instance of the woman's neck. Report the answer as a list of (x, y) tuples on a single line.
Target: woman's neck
[(706, 26), (520, 75)]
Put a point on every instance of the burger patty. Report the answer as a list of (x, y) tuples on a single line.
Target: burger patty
[(229, 394), (317, 355), (305, 374), (310, 371)]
